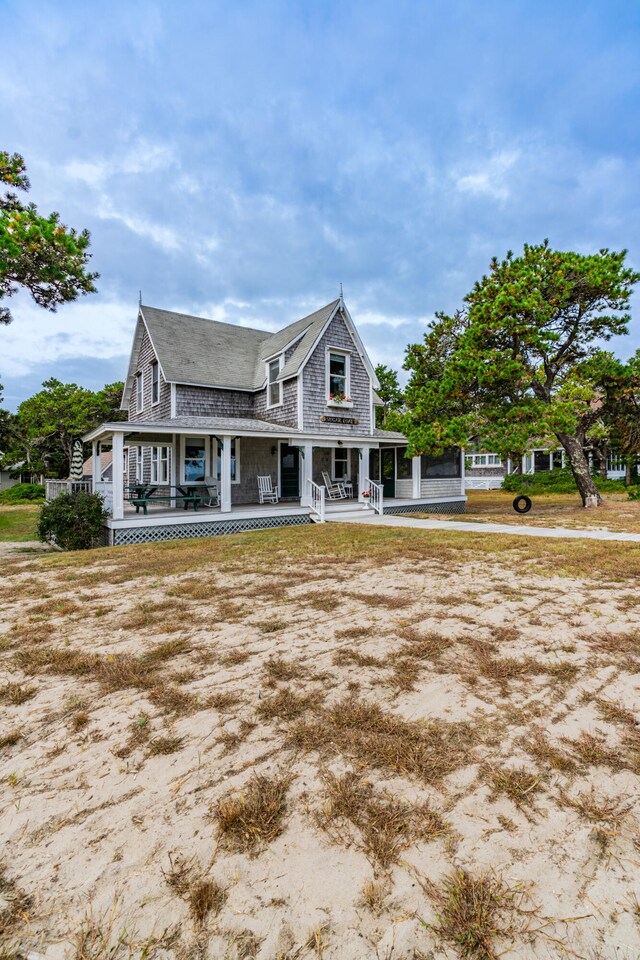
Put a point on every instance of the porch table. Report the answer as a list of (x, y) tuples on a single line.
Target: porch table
[(144, 493)]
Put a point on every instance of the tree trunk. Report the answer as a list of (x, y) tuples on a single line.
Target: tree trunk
[(580, 469), (604, 452)]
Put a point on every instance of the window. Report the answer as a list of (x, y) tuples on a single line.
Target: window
[(235, 460), (341, 463), (159, 464), (482, 460), (194, 460), (403, 465), (338, 377), (139, 392), (155, 383), (274, 386), (446, 465), (139, 465)]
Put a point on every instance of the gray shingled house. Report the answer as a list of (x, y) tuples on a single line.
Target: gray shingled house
[(214, 406)]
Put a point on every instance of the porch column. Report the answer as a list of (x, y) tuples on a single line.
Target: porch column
[(225, 475), (306, 474), (173, 472), (362, 473), (416, 477), (95, 464), (117, 453)]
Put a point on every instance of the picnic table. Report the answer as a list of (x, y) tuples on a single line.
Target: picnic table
[(141, 494)]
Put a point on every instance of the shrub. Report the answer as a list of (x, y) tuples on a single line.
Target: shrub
[(74, 521), (555, 481), (23, 493)]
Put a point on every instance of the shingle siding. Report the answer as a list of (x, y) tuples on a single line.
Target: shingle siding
[(160, 410), (315, 389), (209, 402)]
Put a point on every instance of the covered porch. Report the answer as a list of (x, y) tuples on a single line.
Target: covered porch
[(164, 475)]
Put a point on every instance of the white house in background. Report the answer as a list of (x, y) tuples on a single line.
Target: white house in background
[(486, 471), (214, 406)]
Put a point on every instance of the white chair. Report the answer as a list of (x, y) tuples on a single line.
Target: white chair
[(335, 490), (266, 493), (212, 487)]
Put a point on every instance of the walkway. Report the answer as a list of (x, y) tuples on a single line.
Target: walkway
[(389, 520)]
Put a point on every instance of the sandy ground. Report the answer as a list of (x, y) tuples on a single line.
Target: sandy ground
[(450, 751)]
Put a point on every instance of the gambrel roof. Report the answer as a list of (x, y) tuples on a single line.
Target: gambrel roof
[(208, 353)]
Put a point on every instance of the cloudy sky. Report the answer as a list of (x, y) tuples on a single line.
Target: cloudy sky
[(238, 160)]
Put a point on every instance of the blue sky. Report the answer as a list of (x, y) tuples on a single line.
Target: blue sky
[(238, 160)]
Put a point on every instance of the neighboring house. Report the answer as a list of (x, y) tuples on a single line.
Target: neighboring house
[(215, 400), (486, 471), (9, 477)]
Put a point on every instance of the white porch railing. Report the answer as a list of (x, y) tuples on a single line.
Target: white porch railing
[(375, 498), (317, 500), (53, 488)]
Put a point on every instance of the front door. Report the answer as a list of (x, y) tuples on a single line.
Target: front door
[(289, 471), (389, 472)]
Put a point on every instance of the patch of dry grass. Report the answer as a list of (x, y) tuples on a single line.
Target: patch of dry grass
[(364, 732), (474, 913), (547, 754), (597, 807), (516, 783), (250, 819), (385, 825), (16, 693), (286, 705), (374, 896)]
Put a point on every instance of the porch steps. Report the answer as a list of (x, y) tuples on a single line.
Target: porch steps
[(351, 507), (347, 513)]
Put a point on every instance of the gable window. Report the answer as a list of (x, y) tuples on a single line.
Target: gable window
[(194, 460), (159, 464), (139, 392), (338, 378), (274, 386), (155, 383), (341, 463), (235, 460), (139, 465)]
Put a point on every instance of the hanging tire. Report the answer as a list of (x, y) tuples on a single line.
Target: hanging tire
[(522, 504)]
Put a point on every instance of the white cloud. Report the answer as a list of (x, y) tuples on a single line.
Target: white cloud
[(164, 237), (491, 178), (89, 328)]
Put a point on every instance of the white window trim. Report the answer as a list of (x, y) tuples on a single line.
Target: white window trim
[(279, 360), (139, 391), (139, 462), (157, 462), (214, 459), (346, 404), (333, 463), (207, 459), (155, 366)]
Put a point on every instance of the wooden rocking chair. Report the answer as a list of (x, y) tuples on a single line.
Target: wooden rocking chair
[(212, 487), (266, 493), (335, 490)]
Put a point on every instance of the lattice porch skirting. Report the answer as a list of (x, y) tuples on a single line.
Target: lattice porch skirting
[(455, 507), (180, 531)]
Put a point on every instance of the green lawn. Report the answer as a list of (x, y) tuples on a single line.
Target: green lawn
[(19, 523)]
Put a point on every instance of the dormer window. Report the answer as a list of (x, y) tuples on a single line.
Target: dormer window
[(338, 378), (139, 392), (274, 386), (155, 383)]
